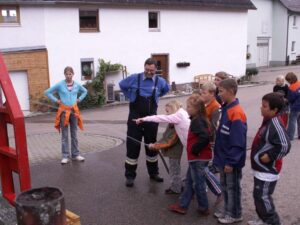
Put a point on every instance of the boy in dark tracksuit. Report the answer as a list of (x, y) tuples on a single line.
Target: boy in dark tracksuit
[(270, 145), (230, 152)]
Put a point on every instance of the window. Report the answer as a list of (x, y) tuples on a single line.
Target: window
[(154, 21), (89, 20), (294, 21), (9, 14), (293, 46), (87, 69)]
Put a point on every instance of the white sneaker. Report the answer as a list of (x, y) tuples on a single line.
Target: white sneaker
[(64, 161), (79, 158), (256, 222), (228, 220), (219, 215)]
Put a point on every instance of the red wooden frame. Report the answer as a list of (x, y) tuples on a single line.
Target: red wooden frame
[(12, 159)]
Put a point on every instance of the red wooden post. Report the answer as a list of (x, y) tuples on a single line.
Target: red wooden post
[(12, 159)]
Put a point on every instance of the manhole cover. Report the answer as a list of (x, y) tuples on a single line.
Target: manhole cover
[(47, 146)]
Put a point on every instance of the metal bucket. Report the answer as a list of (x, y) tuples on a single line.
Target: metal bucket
[(41, 206)]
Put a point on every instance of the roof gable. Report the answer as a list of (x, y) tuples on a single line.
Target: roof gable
[(231, 4)]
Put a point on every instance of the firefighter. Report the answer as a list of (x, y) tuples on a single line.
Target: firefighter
[(143, 91)]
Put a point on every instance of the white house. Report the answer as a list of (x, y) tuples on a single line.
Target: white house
[(40, 37), (273, 33)]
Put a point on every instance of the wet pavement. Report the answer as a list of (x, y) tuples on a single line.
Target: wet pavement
[(95, 189)]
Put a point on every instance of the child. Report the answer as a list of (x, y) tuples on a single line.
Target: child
[(282, 89), (270, 145), (294, 103), (230, 151), (171, 147), (280, 86), (68, 113), (219, 76), (212, 108), (180, 119), (199, 153)]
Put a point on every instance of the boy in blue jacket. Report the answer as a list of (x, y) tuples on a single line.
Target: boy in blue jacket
[(270, 145), (230, 151)]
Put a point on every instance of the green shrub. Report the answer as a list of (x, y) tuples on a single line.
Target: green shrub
[(251, 71), (96, 90)]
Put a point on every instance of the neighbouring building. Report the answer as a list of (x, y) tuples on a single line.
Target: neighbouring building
[(273, 33), (38, 38)]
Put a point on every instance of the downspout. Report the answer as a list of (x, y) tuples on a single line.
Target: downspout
[(287, 58)]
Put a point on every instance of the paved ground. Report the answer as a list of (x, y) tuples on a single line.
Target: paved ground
[(95, 189)]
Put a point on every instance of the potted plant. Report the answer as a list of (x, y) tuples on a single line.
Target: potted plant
[(87, 72)]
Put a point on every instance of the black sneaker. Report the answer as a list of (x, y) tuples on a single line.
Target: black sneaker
[(129, 182), (156, 178)]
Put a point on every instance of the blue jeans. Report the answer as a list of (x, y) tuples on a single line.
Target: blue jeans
[(65, 136), (195, 183), (293, 119), (231, 184)]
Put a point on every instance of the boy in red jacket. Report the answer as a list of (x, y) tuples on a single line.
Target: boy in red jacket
[(270, 145)]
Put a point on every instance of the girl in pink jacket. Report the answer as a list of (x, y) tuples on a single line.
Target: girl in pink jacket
[(180, 119)]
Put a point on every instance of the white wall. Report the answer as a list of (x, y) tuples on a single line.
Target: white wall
[(259, 26), (29, 33), (210, 40), (294, 35), (279, 34)]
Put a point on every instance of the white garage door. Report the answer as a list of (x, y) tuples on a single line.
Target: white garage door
[(20, 83)]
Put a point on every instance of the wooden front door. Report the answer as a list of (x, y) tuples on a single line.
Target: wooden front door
[(162, 65)]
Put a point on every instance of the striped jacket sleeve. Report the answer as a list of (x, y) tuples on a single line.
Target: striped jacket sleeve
[(279, 139)]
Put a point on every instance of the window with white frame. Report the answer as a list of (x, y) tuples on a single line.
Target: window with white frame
[(294, 21), (293, 46), (87, 69), (9, 15), (154, 21), (89, 20)]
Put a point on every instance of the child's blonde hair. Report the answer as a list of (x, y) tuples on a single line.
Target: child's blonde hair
[(174, 105), (210, 87), (280, 77)]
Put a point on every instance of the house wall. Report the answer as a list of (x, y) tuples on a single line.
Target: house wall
[(35, 63), (280, 34), (210, 40), (260, 25), (30, 32), (294, 35)]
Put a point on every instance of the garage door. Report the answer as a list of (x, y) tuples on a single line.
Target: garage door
[(20, 83)]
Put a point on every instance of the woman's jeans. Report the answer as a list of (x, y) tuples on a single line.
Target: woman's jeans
[(195, 183), (65, 136)]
